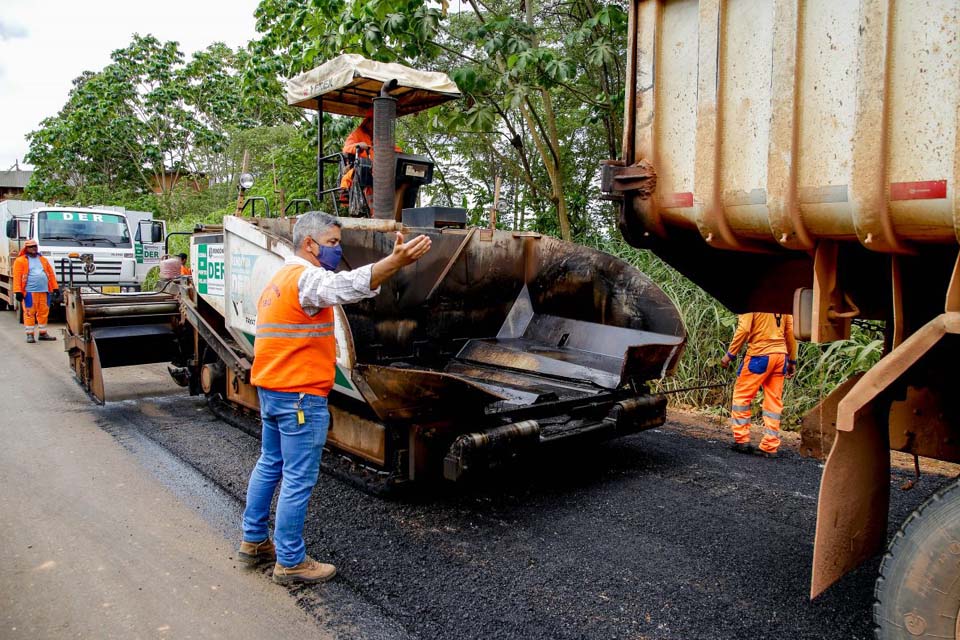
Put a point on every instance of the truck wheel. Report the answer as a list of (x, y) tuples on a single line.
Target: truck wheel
[(917, 594)]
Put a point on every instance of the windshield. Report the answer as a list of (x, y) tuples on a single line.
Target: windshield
[(75, 228)]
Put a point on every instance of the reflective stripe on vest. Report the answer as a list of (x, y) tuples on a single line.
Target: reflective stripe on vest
[(293, 351)]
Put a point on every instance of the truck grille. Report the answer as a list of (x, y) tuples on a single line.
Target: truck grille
[(107, 271)]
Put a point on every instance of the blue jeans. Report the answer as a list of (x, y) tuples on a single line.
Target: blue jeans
[(290, 457)]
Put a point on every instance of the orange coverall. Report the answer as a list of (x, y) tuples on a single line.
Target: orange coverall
[(363, 134), (35, 315), (770, 346)]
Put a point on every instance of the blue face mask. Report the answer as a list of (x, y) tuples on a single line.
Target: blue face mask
[(329, 257)]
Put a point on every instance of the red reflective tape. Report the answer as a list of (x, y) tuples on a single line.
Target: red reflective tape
[(676, 200), (924, 190)]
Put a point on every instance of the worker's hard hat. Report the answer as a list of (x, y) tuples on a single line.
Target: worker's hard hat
[(31, 243)]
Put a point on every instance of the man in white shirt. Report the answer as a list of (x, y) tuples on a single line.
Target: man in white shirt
[(294, 366)]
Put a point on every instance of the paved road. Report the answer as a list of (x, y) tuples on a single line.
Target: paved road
[(665, 534), (94, 545)]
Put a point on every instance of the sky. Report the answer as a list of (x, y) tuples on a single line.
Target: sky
[(45, 44)]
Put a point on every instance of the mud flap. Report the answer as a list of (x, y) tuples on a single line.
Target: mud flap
[(855, 489), (853, 502), (819, 427)]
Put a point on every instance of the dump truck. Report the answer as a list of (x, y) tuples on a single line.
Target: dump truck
[(804, 158), (494, 344)]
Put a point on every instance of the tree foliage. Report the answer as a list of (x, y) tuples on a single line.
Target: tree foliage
[(147, 114), (544, 87)]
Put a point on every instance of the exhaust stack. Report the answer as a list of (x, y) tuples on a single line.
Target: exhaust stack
[(384, 154)]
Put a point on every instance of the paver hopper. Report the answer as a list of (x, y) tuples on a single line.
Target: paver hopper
[(494, 343)]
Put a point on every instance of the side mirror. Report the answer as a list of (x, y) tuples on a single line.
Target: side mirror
[(157, 232), (12, 229)]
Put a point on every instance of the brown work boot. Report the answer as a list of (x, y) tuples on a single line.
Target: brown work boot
[(30, 338), (254, 553), (307, 571), (46, 336)]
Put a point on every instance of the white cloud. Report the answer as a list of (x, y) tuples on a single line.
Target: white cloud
[(45, 44)]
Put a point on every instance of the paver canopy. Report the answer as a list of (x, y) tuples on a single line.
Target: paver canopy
[(348, 84)]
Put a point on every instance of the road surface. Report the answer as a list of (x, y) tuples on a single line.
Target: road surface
[(122, 521), (95, 546)]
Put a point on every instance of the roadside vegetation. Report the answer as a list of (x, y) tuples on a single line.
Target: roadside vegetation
[(710, 327), (157, 131)]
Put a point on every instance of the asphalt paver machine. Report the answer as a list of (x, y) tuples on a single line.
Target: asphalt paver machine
[(495, 344)]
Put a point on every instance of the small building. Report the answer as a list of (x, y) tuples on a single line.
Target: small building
[(12, 183), (170, 178)]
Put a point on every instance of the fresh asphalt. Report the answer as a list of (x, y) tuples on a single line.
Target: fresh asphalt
[(665, 534)]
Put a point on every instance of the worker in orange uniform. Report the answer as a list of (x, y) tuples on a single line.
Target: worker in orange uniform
[(33, 283), (294, 365), (771, 356), (184, 269), (360, 144)]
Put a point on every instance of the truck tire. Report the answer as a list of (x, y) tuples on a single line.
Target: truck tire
[(917, 594)]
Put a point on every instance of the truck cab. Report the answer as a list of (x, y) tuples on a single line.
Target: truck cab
[(149, 238), (68, 234)]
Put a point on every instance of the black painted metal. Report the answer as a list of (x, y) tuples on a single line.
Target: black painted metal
[(384, 153)]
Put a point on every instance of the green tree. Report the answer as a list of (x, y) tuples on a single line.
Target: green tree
[(147, 113), (80, 146), (540, 83)]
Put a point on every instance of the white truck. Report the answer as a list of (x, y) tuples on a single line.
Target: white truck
[(122, 245), (149, 239)]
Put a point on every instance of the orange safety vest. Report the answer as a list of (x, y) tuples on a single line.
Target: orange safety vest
[(293, 352)]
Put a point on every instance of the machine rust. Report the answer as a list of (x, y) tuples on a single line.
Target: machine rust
[(802, 166), (117, 330)]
